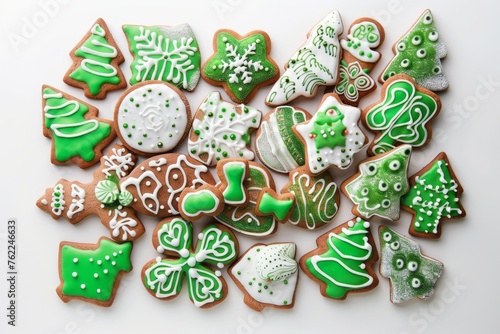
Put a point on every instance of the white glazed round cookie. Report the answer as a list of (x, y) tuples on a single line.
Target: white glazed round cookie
[(152, 117)]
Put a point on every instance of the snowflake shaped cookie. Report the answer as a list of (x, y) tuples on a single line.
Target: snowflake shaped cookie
[(241, 64)]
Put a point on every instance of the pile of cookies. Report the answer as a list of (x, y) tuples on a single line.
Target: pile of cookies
[(219, 178)]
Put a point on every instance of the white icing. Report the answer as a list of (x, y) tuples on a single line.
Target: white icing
[(157, 124), (363, 45), (320, 56), (250, 269), (216, 130), (77, 201), (57, 203), (118, 163), (122, 225), (354, 139)]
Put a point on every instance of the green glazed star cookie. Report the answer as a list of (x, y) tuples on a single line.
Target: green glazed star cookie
[(241, 64)]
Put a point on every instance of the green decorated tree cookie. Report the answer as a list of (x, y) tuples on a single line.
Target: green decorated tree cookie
[(173, 237), (402, 116), (77, 134), (434, 196), (418, 54), (377, 188), (342, 262), (96, 61), (412, 275), (91, 272)]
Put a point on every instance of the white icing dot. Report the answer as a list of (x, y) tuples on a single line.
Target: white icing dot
[(362, 266), (257, 41), (175, 176), (115, 254), (96, 275), (105, 271), (240, 89), (107, 257), (148, 183), (350, 223), (191, 262), (75, 260), (120, 252), (99, 262), (91, 260), (162, 207), (98, 290), (249, 220), (184, 253), (366, 224), (113, 263), (82, 286), (224, 39), (158, 169), (74, 274), (220, 265), (218, 273)]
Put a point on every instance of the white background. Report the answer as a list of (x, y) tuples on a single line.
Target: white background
[(467, 297)]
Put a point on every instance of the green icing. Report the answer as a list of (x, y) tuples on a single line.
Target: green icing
[(164, 276), (72, 134), (353, 81), (270, 205), (342, 266), (411, 274), (328, 129), (242, 65), (234, 174), (202, 201), (434, 197), (169, 54), (418, 55), (315, 196), (96, 69), (92, 273), (287, 117), (381, 182), (245, 219), (402, 117)]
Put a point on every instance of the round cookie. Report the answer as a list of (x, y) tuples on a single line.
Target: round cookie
[(276, 145), (152, 117)]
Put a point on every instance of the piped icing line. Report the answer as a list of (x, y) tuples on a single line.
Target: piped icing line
[(314, 64), (96, 63), (163, 277), (434, 196)]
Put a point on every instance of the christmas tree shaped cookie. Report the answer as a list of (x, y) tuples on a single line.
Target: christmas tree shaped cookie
[(78, 135), (418, 54), (96, 61), (173, 237), (267, 275), (381, 180), (358, 60), (169, 54), (412, 275), (314, 64), (343, 261), (276, 145), (402, 116), (434, 196), (91, 272), (241, 64), (332, 136), (75, 201), (222, 130)]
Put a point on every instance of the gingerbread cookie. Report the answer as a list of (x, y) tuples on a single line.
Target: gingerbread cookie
[(75, 201), (418, 54), (78, 135), (157, 183), (232, 175), (317, 198), (206, 200), (96, 63), (169, 54), (222, 130), (402, 116), (358, 60), (411, 274), (245, 219), (152, 117), (173, 237), (381, 180), (332, 136), (267, 275), (314, 64), (343, 261), (240, 64), (92, 272), (434, 196), (276, 145)]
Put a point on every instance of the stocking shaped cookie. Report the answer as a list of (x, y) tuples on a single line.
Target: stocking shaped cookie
[(75, 201), (358, 60)]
